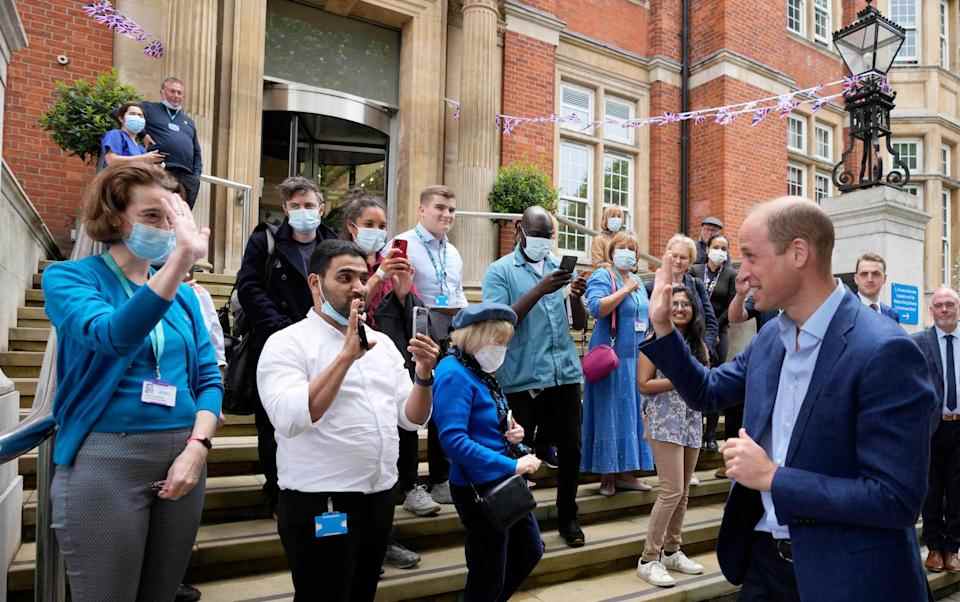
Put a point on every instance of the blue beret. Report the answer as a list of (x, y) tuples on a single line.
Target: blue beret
[(482, 312)]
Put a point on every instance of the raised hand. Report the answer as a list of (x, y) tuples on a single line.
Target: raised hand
[(743, 285), (191, 241), (425, 354), (351, 343), (662, 298)]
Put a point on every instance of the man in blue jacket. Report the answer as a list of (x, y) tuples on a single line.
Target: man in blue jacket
[(830, 468)]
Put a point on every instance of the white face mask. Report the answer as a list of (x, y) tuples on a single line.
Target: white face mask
[(490, 357), (717, 255), (614, 224), (371, 240), (625, 259), (537, 248)]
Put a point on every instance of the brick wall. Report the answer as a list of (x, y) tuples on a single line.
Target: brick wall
[(53, 181), (529, 88), (619, 23), (664, 169)]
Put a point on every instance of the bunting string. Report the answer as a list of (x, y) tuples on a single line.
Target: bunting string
[(104, 13)]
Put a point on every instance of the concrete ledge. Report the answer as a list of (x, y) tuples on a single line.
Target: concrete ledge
[(15, 195)]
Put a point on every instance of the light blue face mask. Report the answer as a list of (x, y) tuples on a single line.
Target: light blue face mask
[(135, 123), (152, 244), (614, 224), (334, 314), (537, 248), (624, 259), (304, 220), (371, 240)]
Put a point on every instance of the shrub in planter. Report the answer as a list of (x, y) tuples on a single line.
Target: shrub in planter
[(82, 113), (517, 187)]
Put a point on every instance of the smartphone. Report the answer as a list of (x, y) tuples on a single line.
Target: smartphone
[(509, 419), (421, 323), (568, 263), (362, 333), (402, 245)]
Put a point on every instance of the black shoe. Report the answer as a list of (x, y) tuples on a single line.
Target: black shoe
[(187, 593), (571, 533), (711, 446), (549, 457)]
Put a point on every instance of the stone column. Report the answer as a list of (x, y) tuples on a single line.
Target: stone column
[(191, 46), (477, 160)]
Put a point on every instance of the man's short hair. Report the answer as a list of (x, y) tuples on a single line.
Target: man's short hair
[(295, 185), (328, 249), (110, 193), (436, 190), (802, 219), (870, 257), (171, 80)]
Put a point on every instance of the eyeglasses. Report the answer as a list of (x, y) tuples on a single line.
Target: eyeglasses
[(681, 305)]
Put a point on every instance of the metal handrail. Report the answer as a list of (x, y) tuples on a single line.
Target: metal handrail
[(654, 261), (245, 199)]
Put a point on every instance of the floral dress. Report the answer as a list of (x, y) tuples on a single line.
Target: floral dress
[(670, 420)]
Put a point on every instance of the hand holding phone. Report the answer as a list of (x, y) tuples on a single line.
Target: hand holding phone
[(421, 321), (568, 263), (401, 245)]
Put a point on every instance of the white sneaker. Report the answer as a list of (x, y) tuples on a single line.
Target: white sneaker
[(419, 502), (441, 493), (694, 480), (679, 562), (655, 574)]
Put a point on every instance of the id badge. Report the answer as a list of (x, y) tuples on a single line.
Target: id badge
[(173, 127), (640, 326), (329, 524), (158, 392), (442, 301)]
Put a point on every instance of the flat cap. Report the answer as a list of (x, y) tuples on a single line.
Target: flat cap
[(712, 221), (482, 312)]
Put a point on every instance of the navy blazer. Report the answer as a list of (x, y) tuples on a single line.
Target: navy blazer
[(855, 475), (927, 341), (889, 312)]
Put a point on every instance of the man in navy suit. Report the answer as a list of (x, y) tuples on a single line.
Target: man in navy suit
[(830, 467), (940, 345), (870, 274)]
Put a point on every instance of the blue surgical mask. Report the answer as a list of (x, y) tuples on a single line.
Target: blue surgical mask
[(152, 244), (625, 259), (170, 106), (304, 220), (135, 123), (371, 240), (537, 248), (334, 314), (614, 224)]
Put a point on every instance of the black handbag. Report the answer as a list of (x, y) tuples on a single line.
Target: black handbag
[(506, 503)]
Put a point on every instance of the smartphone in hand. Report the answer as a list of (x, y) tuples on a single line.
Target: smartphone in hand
[(402, 246), (362, 333), (421, 323), (568, 263)]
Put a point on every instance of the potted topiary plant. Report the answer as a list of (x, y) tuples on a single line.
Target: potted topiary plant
[(518, 186), (82, 113)]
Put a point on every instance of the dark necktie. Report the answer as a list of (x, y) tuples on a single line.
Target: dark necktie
[(951, 376), (874, 307)]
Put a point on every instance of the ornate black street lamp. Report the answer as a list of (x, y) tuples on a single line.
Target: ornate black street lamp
[(868, 47)]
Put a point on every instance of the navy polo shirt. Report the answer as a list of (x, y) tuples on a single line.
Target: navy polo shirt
[(175, 135)]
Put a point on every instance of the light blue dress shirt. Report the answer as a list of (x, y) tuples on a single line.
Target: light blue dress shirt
[(802, 344), (430, 256), (541, 353), (943, 362)]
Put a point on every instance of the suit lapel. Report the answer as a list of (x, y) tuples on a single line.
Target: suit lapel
[(757, 420), (934, 350), (832, 348)]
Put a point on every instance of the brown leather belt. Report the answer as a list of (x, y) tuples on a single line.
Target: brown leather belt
[(950, 417)]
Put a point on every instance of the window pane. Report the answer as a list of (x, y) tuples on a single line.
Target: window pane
[(795, 15), (821, 19), (616, 180), (908, 152), (794, 180), (824, 143), (618, 110), (579, 102), (796, 134), (824, 187), (575, 161)]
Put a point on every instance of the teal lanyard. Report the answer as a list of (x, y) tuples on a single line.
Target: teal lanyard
[(157, 338), (440, 264)]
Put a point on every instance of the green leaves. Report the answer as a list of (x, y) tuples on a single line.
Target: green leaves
[(82, 113), (521, 185)]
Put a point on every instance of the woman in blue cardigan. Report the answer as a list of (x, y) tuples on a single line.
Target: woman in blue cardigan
[(138, 392), (483, 443)]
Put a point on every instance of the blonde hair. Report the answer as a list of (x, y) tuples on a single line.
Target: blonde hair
[(489, 332), (687, 242), (621, 239), (607, 213)]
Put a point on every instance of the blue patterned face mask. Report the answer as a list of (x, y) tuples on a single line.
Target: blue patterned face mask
[(152, 244)]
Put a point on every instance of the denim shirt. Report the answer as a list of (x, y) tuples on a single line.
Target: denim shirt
[(541, 353)]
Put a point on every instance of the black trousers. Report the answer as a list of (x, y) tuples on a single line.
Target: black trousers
[(190, 183), (407, 461), (555, 412), (941, 509), (712, 419), (497, 563), (769, 578), (340, 568), (267, 452)]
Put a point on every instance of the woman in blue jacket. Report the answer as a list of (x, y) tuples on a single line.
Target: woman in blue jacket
[(138, 392), (120, 146), (483, 443)]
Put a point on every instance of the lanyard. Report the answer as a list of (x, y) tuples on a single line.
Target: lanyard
[(157, 338), (172, 117), (440, 264)]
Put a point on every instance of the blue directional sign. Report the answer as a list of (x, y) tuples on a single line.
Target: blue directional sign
[(906, 302)]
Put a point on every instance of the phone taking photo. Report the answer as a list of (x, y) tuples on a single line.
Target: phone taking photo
[(362, 333), (421, 321), (402, 246), (568, 263)]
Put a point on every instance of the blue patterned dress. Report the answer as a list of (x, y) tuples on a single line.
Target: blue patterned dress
[(612, 432)]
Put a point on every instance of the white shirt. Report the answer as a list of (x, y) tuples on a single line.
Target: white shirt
[(430, 257), (212, 321), (354, 445), (956, 365), (868, 303)]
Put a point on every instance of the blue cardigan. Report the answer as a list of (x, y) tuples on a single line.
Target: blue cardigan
[(99, 331), (469, 431)]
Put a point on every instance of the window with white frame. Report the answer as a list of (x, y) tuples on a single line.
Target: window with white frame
[(578, 101), (910, 153), (795, 16), (944, 34), (824, 142), (796, 178), (906, 14), (945, 160), (822, 21), (576, 197), (617, 110), (797, 134), (617, 184), (824, 186), (945, 237)]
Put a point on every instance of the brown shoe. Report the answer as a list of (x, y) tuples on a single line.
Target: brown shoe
[(951, 563), (721, 472), (934, 562)]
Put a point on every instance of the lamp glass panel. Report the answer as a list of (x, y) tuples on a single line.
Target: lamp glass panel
[(856, 49), (889, 42)]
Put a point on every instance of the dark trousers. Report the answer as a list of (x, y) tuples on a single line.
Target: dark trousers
[(497, 563), (340, 568), (769, 578), (190, 183), (555, 412), (941, 509), (437, 462), (267, 452), (713, 419), (407, 461)]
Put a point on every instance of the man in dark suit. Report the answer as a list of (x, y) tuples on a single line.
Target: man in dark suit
[(830, 467), (940, 345), (870, 274)]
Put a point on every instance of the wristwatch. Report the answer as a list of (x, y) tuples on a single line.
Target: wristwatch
[(423, 382), (204, 441)]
